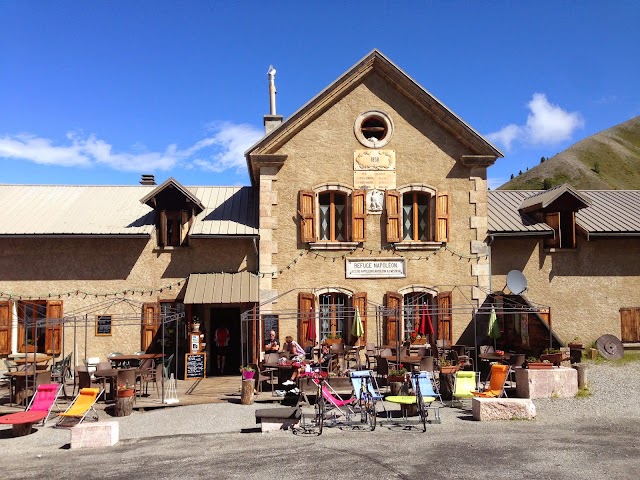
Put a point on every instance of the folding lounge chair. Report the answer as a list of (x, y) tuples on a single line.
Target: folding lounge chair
[(80, 407), (497, 379), (359, 376), (427, 386), (333, 401), (465, 383), (45, 398)]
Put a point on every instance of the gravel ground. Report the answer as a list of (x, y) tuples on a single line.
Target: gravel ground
[(615, 392)]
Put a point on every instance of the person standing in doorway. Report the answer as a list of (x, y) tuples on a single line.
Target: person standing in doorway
[(221, 341)]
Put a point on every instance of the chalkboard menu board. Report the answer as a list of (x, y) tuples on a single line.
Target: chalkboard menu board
[(270, 323), (194, 365), (103, 325)]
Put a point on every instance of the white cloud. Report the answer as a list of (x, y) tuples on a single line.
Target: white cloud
[(494, 183), (222, 150), (547, 124)]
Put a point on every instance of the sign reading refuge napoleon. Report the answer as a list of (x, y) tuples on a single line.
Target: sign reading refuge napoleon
[(376, 268)]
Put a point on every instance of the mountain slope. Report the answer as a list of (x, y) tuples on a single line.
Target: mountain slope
[(608, 160)]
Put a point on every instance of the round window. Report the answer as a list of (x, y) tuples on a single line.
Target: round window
[(373, 129)]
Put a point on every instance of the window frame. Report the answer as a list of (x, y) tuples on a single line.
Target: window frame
[(102, 318), (415, 217), (333, 216)]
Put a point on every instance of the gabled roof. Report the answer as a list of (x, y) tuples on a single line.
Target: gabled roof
[(609, 213), (545, 198), (375, 61), (171, 183), (96, 210)]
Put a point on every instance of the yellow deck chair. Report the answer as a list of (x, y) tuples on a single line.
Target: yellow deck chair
[(497, 379), (465, 384), (80, 408)]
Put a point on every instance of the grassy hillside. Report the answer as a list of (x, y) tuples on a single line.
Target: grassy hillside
[(607, 160)]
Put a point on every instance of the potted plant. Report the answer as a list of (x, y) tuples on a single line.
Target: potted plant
[(126, 390), (576, 344), (532, 363), (248, 372), (397, 375), (552, 355), (446, 367), (330, 339)]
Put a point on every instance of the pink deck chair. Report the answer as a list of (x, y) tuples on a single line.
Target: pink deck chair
[(334, 401), (45, 399)]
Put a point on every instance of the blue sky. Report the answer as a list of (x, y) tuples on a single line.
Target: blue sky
[(100, 92)]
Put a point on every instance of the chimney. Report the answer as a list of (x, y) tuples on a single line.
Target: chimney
[(272, 121), (147, 180)]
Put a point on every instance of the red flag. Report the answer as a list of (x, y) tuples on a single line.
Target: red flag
[(427, 327), (311, 327)]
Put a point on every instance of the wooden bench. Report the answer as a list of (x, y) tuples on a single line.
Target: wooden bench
[(271, 419), (21, 422)]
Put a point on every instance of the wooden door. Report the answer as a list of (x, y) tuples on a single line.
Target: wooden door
[(150, 322), (5, 328), (630, 324)]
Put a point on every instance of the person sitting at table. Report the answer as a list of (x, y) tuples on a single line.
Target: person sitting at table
[(325, 358), (297, 356), (271, 345)]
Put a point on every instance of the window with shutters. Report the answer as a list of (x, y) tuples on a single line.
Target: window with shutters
[(417, 217), (40, 326), (332, 216), (564, 229), (173, 228), (417, 309), (332, 315)]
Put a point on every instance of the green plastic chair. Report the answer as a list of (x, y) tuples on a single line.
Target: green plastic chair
[(465, 383)]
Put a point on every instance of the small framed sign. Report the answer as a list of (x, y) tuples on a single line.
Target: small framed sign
[(103, 325)]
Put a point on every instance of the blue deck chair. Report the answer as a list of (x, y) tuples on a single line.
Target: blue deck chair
[(427, 386), (359, 376)]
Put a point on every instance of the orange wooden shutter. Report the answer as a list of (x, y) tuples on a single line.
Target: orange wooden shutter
[(359, 301), (306, 312), (5, 328), (358, 215), (444, 316), (553, 220), (307, 212), (443, 208), (393, 303), (393, 206), (573, 229), (150, 323), (162, 229), (184, 227), (53, 334)]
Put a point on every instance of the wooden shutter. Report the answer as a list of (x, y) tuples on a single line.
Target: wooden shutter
[(150, 322), (393, 304), (358, 215), (359, 301), (443, 208), (53, 334), (553, 220), (184, 227), (162, 229), (5, 327), (306, 311), (307, 212), (573, 229), (393, 205), (630, 324), (444, 316)]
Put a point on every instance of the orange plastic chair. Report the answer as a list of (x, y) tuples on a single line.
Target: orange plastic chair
[(80, 407), (497, 379)]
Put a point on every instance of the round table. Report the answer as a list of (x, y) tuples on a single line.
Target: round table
[(21, 422), (405, 401)]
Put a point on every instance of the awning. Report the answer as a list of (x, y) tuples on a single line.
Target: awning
[(222, 288)]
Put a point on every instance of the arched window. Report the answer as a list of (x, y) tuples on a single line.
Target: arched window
[(333, 315)]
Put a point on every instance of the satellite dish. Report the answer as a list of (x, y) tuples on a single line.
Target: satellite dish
[(516, 281)]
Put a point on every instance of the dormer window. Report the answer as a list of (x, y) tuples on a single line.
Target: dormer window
[(564, 229), (176, 208)]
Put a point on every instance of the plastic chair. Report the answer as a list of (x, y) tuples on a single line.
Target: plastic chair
[(45, 399), (497, 379), (129, 376), (81, 406), (359, 376), (426, 364), (465, 383), (11, 365), (166, 364)]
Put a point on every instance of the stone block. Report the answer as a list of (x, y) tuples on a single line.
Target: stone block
[(95, 435), (553, 383), (478, 222), (479, 247), (487, 409), (480, 269)]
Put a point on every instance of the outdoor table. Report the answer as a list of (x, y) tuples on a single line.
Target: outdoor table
[(409, 360), (405, 401), (28, 360), (120, 360), (495, 357), (21, 422), (107, 375)]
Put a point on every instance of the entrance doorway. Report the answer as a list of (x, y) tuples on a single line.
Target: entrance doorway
[(229, 319)]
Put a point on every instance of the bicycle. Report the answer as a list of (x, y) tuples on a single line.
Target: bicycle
[(422, 409), (317, 422), (367, 405)]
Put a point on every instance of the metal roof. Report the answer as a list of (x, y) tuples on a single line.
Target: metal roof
[(116, 210), (610, 212), (505, 216), (222, 288)]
